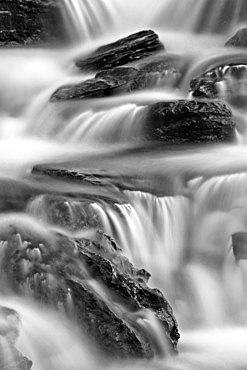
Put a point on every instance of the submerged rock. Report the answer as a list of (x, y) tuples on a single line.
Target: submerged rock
[(31, 22), (187, 121), (239, 40), (129, 49), (94, 285), (10, 357)]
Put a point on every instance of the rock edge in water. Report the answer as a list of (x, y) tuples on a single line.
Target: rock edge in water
[(94, 284)]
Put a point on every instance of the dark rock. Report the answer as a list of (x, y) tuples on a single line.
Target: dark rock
[(10, 357), (227, 83), (105, 83), (94, 284), (31, 22), (185, 121), (239, 40), (167, 70), (129, 49), (70, 214), (239, 245)]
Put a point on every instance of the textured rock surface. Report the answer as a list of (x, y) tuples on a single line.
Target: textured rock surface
[(239, 39), (94, 284), (189, 121), (31, 22), (129, 49)]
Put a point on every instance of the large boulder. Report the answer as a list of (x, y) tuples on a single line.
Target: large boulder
[(31, 22), (188, 121), (239, 245), (92, 283), (129, 49)]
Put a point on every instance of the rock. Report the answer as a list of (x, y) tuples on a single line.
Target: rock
[(94, 285), (68, 213), (239, 40), (167, 70), (227, 83), (105, 83), (129, 49), (239, 245), (31, 22), (10, 357), (186, 121)]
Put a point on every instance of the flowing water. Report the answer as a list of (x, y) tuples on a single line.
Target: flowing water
[(181, 235)]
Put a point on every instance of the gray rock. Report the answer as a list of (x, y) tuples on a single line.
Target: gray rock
[(239, 40), (239, 245)]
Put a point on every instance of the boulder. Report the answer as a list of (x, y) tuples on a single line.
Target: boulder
[(239, 40), (129, 49), (31, 22), (187, 121), (10, 357), (94, 285)]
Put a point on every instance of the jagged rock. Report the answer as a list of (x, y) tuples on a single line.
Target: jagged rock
[(31, 22), (239, 245), (68, 213), (129, 49), (187, 121), (94, 284), (10, 357), (105, 83), (239, 40), (167, 70)]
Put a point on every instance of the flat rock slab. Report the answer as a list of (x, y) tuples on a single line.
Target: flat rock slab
[(187, 121), (127, 50), (31, 22)]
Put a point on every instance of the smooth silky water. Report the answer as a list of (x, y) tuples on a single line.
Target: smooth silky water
[(184, 238)]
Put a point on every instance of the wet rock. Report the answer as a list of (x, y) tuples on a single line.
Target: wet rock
[(105, 83), (10, 357), (227, 83), (186, 121), (239, 245), (167, 71), (70, 214), (239, 40), (96, 286), (31, 22), (129, 49)]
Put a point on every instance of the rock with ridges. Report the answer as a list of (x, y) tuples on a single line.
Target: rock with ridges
[(187, 121), (129, 49)]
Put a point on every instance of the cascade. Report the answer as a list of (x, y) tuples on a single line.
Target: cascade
[(171, 209)]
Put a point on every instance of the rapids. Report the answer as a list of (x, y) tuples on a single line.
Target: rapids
[(182, 234)]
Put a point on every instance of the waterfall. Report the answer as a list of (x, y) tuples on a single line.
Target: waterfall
[(179, 208)]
